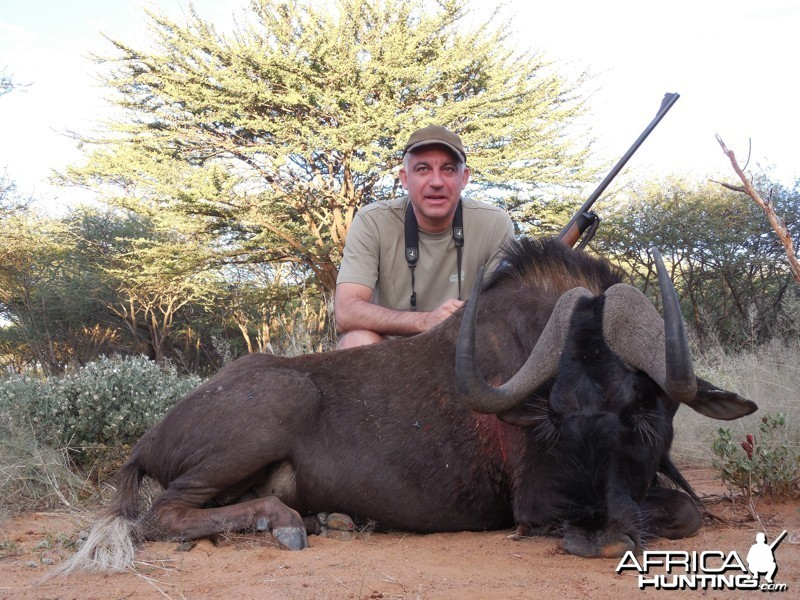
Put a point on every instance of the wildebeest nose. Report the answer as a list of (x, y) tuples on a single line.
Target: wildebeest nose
[(597, 544)]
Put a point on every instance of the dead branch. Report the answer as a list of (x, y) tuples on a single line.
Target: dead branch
[(775, 221)]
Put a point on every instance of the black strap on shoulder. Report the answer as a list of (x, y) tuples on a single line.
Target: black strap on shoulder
[(458, 238), (412, 245), (412, 248)]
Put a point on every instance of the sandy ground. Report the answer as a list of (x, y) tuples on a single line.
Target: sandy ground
[(381, 565)]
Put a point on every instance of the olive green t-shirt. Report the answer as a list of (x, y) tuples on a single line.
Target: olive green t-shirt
[(374, 254)]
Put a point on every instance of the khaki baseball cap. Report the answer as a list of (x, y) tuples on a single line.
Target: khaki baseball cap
[(435, 134)]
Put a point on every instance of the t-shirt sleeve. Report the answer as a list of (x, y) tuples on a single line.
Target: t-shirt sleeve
[(502, 232), (361, 255)]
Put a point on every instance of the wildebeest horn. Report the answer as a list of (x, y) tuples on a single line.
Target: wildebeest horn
[(540, 366), (637, 334)]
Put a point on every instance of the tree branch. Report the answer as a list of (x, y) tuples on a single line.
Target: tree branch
[(775, 221)]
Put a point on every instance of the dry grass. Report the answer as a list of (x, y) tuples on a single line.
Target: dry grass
[(37, 477), (769, 375)]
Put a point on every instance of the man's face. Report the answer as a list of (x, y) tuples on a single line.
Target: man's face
[(434, 180)]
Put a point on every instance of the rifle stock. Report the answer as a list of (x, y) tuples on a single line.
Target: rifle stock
[(586, 218), (576, 226)]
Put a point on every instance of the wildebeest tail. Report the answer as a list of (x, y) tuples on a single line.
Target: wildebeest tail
[(109, 545)]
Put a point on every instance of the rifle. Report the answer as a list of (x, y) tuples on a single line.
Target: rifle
[(586, 219), (777, 540)]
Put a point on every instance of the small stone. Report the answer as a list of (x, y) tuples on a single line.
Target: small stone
[(185, 546), (340, 522), (338, 534)]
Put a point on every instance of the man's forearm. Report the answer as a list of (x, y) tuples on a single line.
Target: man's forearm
[(358, 314)]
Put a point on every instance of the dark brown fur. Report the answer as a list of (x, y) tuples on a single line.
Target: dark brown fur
[(380, 433)]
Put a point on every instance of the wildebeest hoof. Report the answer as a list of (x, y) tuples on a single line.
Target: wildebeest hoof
[(262, 524), (597, 544), (292, 538)]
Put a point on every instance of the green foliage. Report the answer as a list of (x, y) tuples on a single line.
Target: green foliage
[(95, 282), (262, 142), (111, 402), (52, 292), (760, 465), (10, 202), (52, 430), (728, 267)]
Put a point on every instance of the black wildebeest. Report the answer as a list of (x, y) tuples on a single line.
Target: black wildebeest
[(410, 435)]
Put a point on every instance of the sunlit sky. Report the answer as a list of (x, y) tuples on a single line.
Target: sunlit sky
[(732, 61)]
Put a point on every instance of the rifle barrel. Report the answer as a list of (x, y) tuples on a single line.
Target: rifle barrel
[(777, 540), (666, 104)]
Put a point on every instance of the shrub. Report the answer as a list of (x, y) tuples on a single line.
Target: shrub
[(110, 402), (88, 417), (759, 465)]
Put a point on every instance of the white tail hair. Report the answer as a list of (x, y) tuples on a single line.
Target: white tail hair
[(108, 547)]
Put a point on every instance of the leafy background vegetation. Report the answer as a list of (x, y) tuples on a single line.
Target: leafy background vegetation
[(228, 180)]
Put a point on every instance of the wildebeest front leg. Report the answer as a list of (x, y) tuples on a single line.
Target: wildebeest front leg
[(171, 518)]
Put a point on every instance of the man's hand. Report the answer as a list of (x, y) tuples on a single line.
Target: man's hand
[(436, 316), (355, 314)]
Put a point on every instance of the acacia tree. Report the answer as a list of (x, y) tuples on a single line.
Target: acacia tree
[(726, 266), (154, 278), (90, 283), (28, 248), (49, 293), (264, 141)]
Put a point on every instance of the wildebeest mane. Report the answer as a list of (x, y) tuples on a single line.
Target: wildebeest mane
[(550, 265)]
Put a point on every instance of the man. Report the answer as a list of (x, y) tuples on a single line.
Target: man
[(378, 292)]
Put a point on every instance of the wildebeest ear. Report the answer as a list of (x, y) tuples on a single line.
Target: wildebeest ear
[(720, 404)]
